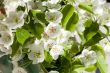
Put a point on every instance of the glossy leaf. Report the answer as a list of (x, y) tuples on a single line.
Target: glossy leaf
[(86, 7), (72, 22), (22, 35), (101, 59), (67, 12)]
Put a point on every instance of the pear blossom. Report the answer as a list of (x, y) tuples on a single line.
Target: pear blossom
[(54, 1), (99, 10), (19, 70), (107, 48), (35, 5), (3, 26), (4, 50), (54, 38), (53, 72), (98, 2), (2, 16), (36, 52), (53, 16), (64, 37), (6, 38), (77, 37), (107, 52), (15, 19), (51, 6), (48, 44), (108, 24), (88, 57), (80, 27), (56, 50), (104, 42), (53, 30), (11, 5), (103, 29)]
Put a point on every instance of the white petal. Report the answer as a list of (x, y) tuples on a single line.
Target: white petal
[(54, 16), (6, 38), (48, 44), (53, 72), (15, 19), (54, 1), (103, 29), (53, 30), (19, 70), (56, 51)]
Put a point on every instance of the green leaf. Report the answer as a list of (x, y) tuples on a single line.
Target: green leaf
[(70, 17), (22, 35), (64, 65), (101, 63), (37, 29), (40, 16), (67, 12), (71, 1), (72, 22), (91, 68), (97, 48), (15, 47), (101, 59), (48, 57), (95, 39), (74, 48), (88, 23), (91, 33), (86, 7), (91, 29)]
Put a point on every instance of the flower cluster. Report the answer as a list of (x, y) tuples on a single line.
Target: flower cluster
[(62, 36)]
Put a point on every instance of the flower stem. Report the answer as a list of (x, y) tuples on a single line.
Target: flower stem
[(43, 68)]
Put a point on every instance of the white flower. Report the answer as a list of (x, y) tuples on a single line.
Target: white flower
[(19, 70), (53, 30), (103, 29), (4, 50), (48, 44), (108, 24), (54, 1), (53, 16), (55, 51), (52, 6), (37, 52), (11, 5), (104, 42), (107, 48), (3, 26), (35, 5), (64, 37), (15, 19), (6, 38), (53, 72), (2, 16), (98, 2), (99, 10), (80, 27), (36, 56), (77, 37), (88, 57)]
